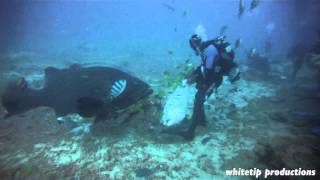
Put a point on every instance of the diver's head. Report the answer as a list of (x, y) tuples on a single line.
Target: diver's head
[(220, 40), (195, 43)]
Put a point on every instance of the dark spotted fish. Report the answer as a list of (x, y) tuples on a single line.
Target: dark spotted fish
[(88, 91)]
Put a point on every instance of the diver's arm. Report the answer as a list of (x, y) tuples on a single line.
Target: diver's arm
[(205, 44), (218, 40)]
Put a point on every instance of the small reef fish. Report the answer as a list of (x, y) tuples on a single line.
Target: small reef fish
[(238, 43), (171, 8), (254, 4), (241, 8), (175, 30), (184, 13)]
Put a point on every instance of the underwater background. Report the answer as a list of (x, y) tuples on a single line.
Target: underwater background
[(263, 121)]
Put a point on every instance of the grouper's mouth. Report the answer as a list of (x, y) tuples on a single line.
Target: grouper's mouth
[(145, 93)]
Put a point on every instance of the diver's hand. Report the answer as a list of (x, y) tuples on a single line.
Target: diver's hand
[(191, 81), (192, 78), (184, 82)]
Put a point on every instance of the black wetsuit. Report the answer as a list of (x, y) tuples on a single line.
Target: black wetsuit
[(212, 77)]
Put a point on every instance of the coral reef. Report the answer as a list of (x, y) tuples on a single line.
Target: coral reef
[(249, 124)]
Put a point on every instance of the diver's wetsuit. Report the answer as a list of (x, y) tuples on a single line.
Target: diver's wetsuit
[(208, 76)]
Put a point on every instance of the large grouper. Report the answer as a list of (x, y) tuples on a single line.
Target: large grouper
[(88, 91)]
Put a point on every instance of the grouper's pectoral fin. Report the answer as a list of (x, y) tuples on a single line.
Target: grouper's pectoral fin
[(92, 107)]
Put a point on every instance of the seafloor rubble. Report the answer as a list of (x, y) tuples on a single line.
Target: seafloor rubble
[(253, 123)]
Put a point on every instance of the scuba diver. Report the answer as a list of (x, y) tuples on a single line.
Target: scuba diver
[(217, 60), (297, 55), (302, 53), (258, 62)]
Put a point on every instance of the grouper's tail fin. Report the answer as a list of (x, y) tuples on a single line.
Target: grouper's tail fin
[(19, 98)]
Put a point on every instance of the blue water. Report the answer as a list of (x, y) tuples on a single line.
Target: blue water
[(117, 27)]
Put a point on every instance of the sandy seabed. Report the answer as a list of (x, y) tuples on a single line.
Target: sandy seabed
[(249, 126)]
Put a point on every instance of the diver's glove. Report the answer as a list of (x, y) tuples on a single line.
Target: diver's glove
[(194, 76), (184, 82)]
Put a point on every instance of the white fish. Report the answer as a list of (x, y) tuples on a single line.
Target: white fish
[(178, 105)]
